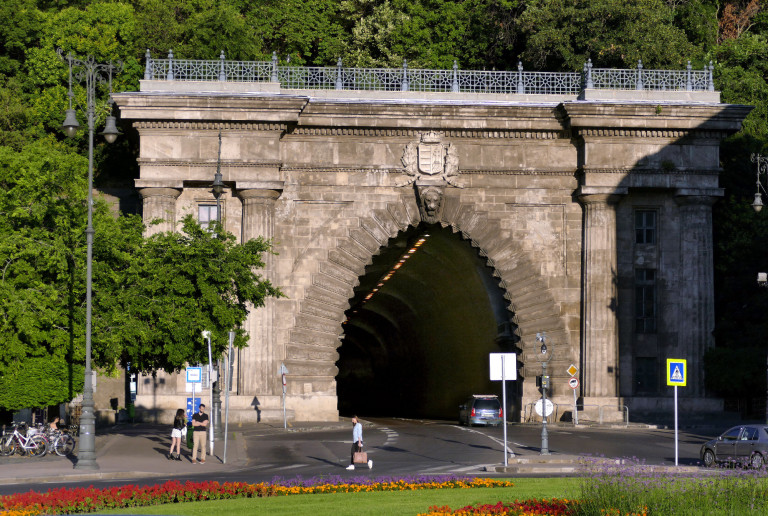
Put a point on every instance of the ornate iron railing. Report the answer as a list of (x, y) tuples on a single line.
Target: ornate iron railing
[(414, 79)]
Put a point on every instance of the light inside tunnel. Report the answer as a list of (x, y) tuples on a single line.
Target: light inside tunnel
[(421, 324)]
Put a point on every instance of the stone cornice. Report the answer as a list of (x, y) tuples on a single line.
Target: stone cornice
[(207, 163), (515, 172), (652, 171), (650, 116), (503, 172), (208, 125), (413, 133), (612, 132)]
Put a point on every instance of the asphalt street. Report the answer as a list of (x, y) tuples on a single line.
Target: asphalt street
[(136, 454)]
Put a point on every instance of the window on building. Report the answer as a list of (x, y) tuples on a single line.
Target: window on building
[(645, 300), (645, 227), (646, 375), (206, 213)]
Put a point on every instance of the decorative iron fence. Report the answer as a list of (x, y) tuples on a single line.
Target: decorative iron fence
[(414, 79)]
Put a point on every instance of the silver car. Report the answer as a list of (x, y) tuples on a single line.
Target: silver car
[(481, 409), (743, 444)]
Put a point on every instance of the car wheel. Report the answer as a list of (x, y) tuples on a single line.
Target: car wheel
[(756, 461), (709, 458)]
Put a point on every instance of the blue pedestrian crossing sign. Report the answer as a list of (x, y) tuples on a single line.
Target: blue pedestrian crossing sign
[(676, 372)]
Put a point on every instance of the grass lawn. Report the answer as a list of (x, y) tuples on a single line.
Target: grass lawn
[(375, 503)]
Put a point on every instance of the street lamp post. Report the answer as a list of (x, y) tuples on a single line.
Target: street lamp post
[(91, 73), (757, 204), (218, 190), (762, 169), (540, 337)]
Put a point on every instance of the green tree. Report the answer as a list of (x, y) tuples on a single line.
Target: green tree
[(179, 284), (40, 240), (613, 33)]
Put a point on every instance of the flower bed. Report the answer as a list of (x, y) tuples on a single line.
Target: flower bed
[(84, 500), (553, 507)]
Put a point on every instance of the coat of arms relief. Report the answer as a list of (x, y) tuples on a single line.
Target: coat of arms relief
[(431, 165)]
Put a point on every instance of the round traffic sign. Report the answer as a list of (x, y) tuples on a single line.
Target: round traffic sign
[(550, 407), (573, 382)]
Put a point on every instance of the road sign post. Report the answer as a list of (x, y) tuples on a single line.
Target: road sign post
[(228, 387), (573, 383), (283, 372), (504, 367), (677, 376)]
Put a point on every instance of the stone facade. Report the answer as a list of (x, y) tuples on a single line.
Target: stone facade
[(548, 191)]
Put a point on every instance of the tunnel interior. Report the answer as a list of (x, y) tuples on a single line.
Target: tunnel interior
[(420, 327)]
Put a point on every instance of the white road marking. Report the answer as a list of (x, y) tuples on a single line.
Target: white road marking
[(392, 435), (263, 466), (494, 439), (294, 466)]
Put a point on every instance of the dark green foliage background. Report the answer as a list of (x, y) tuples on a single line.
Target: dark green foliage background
[(42, 175)]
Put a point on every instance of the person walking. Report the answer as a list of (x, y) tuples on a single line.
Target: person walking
[(179, 429), (357, 443), (199, 426)]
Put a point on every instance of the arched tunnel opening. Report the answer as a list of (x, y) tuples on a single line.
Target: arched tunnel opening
[(419, 330)]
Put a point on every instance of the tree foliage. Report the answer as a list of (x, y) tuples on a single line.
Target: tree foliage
[(177, 285), (153, 296)]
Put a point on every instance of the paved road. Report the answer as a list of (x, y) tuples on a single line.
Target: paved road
[(136, 453)]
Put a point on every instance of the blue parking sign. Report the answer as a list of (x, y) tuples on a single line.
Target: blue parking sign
[(193, 405), (676, 372)]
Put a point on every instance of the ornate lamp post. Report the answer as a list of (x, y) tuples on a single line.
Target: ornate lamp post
[(90, 73), (540, 337), (762, 277), (762, 169), (218, 190)]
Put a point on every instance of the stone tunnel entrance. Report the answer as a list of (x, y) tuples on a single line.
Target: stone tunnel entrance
[(417, 335)]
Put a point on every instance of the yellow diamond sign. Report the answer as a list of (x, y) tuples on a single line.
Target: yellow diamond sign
[(573, 370)]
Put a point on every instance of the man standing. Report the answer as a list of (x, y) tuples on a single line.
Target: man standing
[(199, 426)]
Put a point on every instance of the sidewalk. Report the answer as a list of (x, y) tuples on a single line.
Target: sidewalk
[(124, 451)]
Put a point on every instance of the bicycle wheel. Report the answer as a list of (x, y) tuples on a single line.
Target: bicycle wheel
[(37, 446), (8, 445), (64, 445)]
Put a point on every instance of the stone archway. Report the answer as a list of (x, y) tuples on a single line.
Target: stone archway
[(311, 353)]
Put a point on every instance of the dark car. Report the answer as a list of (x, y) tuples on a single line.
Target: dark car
[(481, 409), (744, 444)]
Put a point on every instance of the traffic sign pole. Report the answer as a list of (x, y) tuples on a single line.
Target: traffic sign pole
[(675, 425), (574, 384), (677, 376), (503, 366), (504, 407)]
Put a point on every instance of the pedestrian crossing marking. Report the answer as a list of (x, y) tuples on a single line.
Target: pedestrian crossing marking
[(676, 372)]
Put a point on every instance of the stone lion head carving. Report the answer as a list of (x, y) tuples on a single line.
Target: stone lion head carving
[(431, 198)]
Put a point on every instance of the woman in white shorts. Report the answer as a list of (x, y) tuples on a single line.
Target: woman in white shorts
[(179, 425)]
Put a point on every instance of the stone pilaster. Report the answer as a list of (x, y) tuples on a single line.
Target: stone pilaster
[(696, 287), (257, 366), (600, 337), (159, 203)]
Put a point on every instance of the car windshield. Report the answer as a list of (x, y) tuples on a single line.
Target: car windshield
[(487, 404)]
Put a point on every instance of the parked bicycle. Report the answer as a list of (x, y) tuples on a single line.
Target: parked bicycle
[(61, 443), (23, 441)]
